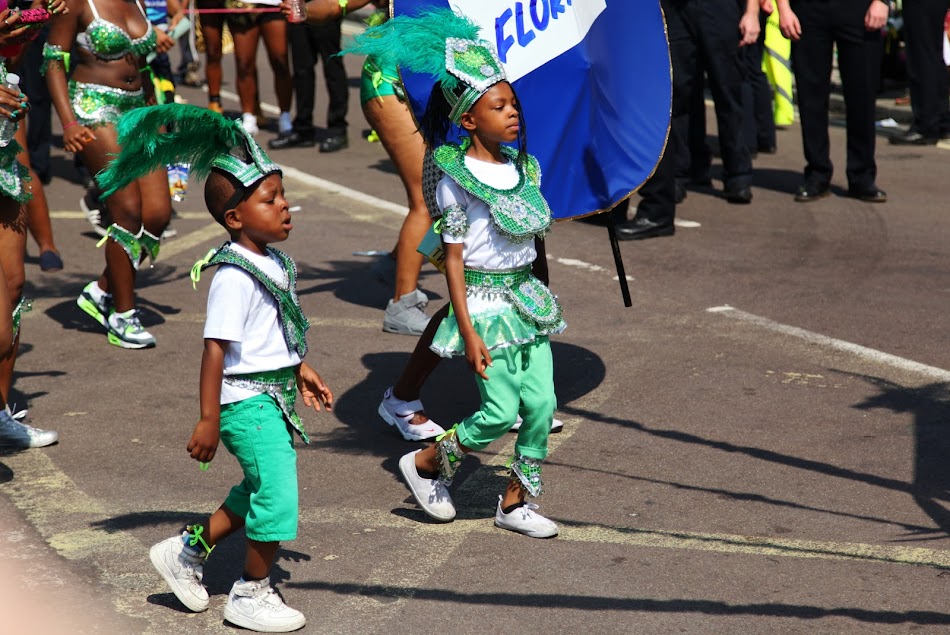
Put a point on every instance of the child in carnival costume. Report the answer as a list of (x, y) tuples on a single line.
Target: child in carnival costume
[(251, 369), (494, 219)]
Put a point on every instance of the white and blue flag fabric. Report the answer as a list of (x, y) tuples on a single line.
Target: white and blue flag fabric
[(594, 80)]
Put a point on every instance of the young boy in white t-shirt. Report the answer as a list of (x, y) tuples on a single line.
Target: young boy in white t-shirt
[(251, 369)]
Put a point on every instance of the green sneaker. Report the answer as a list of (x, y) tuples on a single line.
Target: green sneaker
[(126, 331), (98, 311)]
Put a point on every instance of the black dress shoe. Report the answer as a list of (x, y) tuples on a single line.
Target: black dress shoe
[(738, 195), (334, 143), (913, 138), (292, 139), (765, 148), (872, 194), (808, 193), (640, 228)]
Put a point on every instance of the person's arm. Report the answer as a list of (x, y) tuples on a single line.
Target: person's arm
[(749, 23), (326, 10), (539, 268), (62, 34), (788, 21), (312, 388), (475, 350), (876, 16), (204, 440)]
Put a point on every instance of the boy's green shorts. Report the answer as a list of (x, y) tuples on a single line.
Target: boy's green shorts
[(255, 432)]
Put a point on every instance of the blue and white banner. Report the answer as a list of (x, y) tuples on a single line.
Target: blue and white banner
[(594, 80)]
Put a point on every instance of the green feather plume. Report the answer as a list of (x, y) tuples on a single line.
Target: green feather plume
[(200, 135), (417, 42)]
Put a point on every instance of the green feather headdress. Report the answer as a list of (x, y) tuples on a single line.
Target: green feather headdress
[(437, 42), (201, 138)]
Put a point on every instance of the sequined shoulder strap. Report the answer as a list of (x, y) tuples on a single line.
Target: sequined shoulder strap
[(292, 318)]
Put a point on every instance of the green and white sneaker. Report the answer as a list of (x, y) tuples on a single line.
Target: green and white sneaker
[(97, 310), (126, 331)]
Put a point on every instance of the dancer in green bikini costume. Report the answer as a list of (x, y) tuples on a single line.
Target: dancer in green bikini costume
[(112, 38)]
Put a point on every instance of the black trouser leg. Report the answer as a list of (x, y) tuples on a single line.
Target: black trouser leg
[(859, 62), (716, 25), (758, 121), (923, 24), (303, 56), (811, 62), (687, 85), (658, 194), (328, 46), (39, 122)]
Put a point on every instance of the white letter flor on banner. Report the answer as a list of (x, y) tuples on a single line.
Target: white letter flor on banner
[(593, 77), (529, 33)]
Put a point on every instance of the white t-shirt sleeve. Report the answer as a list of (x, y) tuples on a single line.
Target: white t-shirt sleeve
[(453, 201), (229, 303)]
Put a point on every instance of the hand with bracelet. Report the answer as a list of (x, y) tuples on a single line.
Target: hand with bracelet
[(76, 136)]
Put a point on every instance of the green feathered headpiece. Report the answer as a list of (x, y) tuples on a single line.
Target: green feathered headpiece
[(437, 42), (200, 137)]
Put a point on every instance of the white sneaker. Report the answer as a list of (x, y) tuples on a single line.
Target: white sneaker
[(406, 315), (399, 413), (126, 331), (14, 434), (249, 121), (556, 425), (182, 571), (433, 497), (256, 606), (525, 520)]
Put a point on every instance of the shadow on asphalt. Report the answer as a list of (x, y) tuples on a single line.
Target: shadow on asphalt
[(354, 282), (930, 407), (449, 395), (225, 568), (603, 603), (930, 488)]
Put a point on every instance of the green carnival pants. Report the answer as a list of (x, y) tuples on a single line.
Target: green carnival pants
[(520, 381)]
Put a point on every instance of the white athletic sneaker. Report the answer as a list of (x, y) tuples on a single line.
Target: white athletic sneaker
[(182, 571), (433, 497), (399, 413), (126, 331), (406, 315), (249, 121), (525, 520), (256, 606), (556, 425), (14, 434)]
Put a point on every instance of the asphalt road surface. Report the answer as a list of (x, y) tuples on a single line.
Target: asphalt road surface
[(758, 445)]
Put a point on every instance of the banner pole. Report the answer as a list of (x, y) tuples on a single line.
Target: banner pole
[(618, 261)]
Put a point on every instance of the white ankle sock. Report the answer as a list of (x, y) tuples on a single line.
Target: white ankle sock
[(284, 123), (96, 291)]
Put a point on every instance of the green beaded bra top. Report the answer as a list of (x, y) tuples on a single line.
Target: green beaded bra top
[(519, 213), (108, 41)]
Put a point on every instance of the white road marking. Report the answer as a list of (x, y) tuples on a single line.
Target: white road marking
[(686, 224), (863, 352)]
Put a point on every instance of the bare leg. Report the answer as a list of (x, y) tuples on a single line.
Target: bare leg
[(212, 28), (125, 208), (274, 33), (420, 365), (12, 248), (37, 210), (245, 55), (397, 131), (258, 559)]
